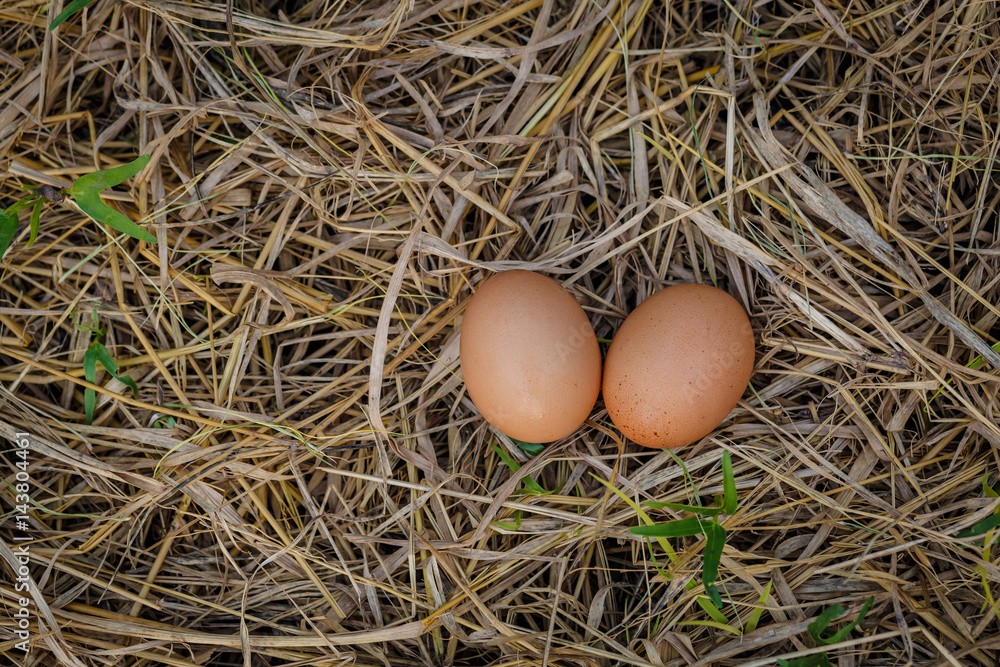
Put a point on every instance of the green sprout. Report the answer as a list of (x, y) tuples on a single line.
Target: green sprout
[(706, 522), (989, 523), (165, 422), (530, 487), (975, 364), (819, 626), (98, 353), (986, 528), (86, 191), (71, 8)]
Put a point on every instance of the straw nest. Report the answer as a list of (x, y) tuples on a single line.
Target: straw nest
[(302, 479)]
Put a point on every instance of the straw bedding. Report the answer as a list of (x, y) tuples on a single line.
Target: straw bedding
[(302, 479)]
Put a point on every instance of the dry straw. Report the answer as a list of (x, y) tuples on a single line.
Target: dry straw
[(302, 479)]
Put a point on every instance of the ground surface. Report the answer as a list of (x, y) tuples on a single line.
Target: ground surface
[(302, 479)]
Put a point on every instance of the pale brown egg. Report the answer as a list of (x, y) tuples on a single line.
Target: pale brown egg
[(678, 365), (529, 357)]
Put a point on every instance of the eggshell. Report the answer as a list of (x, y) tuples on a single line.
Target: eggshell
[(529, 357), (678, 365)]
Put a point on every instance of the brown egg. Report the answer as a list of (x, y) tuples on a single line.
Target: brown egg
[(678, 365), (529, 357)]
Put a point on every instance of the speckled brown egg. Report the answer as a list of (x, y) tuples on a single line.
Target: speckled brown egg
[(678, 365), (529, 357)]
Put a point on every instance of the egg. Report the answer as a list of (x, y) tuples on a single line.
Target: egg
[(678, 365), (529, 357)]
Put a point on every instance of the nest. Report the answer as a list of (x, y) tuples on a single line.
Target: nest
[(301, 478)]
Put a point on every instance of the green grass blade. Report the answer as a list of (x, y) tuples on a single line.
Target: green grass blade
[(823, 621), (110, 366), (530, 485), (36, 219), (716, 615), (687, 475), (510, 526), (656, 566), (978, 361), (757, 612), (715, 541), (90, 374), (974, 364), (8, 230), (71, 8), (984, 526), (21, 204), (987, 489), (510, 462), (712, 591), (679, 528), (680, 507), (840, 635), (728, 484), (642, 517)]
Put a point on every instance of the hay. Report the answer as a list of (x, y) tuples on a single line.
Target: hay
[(302, 479)]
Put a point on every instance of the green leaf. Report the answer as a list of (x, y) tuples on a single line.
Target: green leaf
[(679, 528), (511, 463), (984, 526), (21, 204), (86, 190), (759, 610), (656, 566), (715, 541), (728, 484), (531, 448), (704, 511), (531, 485), (978, 361), (510, 526), (8, 230), (817, 627), (91, 204), (108, 178), (712, 591), (822, 621), (110, 366), (165, 422), (36, 218), (71, 8), (90, 374), (714, 612), (987, 489), (814, 660)]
